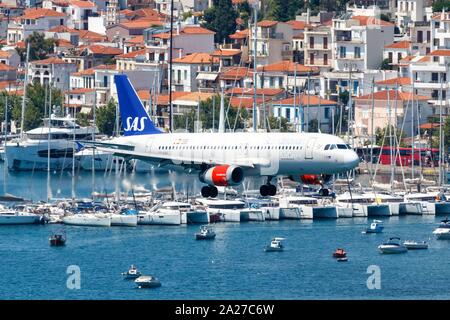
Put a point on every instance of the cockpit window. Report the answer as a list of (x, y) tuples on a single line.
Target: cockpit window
[(333, 146), (327, 147), (342, 146)]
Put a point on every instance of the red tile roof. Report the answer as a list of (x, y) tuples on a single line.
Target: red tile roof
[(197, 58), (304, 99), (51, 60), (140, 24), (297, 25), (82, 4), (371, 21), (226, 52), (89, 35), (235, 73), (132, 54), (103, 50), (246, 102), (395, 81), (81, 90), (440, 52), (399, 45), (4, 67), (240, 34), (259, 92), (267, 23), (286, 66), (61, 29), (392, 95), (40, 13)]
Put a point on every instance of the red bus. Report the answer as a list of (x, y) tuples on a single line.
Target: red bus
[(403, 156)]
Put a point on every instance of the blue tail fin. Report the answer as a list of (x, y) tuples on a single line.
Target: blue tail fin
[(135, 120)]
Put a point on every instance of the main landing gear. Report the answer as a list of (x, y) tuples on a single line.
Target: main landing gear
[(209, 192), (324, 192), (268, 189)]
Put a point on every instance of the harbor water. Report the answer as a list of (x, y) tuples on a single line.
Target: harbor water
[(233, 266)]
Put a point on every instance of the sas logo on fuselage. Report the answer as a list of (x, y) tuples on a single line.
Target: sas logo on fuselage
[(135, 124)]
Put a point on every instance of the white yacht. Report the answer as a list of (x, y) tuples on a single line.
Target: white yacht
[(160, 215), (269, 207), (443, 231), (431, 202), (126, 219), (88, 220), (363, 205), (301, 207), (393, 245), (11, 216), (32, 151), (222, 210)]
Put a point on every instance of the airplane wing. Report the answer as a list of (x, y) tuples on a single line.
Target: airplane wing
[(127, 151)]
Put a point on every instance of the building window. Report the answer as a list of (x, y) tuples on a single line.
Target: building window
[(326, 114), (399, 57), (280, 81), (271, 82), (311, 42), (357, 52), (325, 59), (342, 52), (390, 57), (325, 43), (185, 74), (419, 36), (311, 58)]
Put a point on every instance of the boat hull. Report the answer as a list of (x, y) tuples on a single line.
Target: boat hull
[(168, 217), (201, 217), (290, 213), (19, 219), (87, 220), (124, 220)]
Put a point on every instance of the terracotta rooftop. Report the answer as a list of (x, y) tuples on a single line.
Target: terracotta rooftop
[(239, 34), (440, 52), (287, 66), (267, 23), (103, 50), (305, 99), (140, 24), (371, 21), (395, 81), (82, 4), (259, 92), (392, 95), (297, 25), (61, 29), (399, 45), (132, 54), (51, 60), (89, 35), (197, 58), (226, 52), (40, 13), (235, 73), (81, 90)]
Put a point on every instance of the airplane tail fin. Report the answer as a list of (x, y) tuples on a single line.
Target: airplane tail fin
[(135, 120)]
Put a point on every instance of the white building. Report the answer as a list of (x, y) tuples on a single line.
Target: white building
[(410, 11), (440, 31), (358, 42), (34, 20), (51, 70)]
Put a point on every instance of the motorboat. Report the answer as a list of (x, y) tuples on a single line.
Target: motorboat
[(339, 253), (132, 273), (443, 231), (58, 239), (375, 227), (393, 245), (206, 233), (252, 214), (159, 217), (14, 217), (275, 245), (269, 207), (57, 136), (88, 220), (147, 282), (222, 210), (431, 202), (415, 245)]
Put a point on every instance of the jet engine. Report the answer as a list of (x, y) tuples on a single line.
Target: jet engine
[(222, 176)]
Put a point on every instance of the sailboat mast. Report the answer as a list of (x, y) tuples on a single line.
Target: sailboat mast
[(93, 139), (255, 47), (412, 130), (5, 166), (440, 134), (116, 158), (48, 139), (25, 83)]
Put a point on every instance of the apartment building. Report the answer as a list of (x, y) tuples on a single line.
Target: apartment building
[(318, 47)]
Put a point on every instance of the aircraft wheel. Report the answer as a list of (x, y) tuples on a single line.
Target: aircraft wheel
[(324, 192), (213, 191), (272, 190), (206, 192), (264, 190)]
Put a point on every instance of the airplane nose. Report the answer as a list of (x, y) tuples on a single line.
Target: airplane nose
[(351, 160)]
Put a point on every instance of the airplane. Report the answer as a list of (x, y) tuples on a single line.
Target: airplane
[(225, 159)]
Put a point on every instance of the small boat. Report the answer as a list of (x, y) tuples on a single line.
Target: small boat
[(58, 239), (414, 245), (393, 245), (147, 282), (345, 259), (375, 227), (132, 273), (339, 253), (443, 231), (275, 245), (206, 233)]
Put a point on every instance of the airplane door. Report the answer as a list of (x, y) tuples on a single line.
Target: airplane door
[(309, 149)]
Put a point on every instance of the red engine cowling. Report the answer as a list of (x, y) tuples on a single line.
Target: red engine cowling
[(223, 176), (312, 179)]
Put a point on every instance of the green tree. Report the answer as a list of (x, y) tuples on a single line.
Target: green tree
[(82, 119), (244, 12), (441, 4), (234, 116), (382, 136), (40, 47), (385, 65), (279, 124), (106, 118), (221, 18), (447, 133)]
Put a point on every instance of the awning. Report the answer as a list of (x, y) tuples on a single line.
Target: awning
[(207, 76)]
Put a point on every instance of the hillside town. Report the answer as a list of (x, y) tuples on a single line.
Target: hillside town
[(354, 71)]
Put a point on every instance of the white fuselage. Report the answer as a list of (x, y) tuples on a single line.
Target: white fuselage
[(265, 154)]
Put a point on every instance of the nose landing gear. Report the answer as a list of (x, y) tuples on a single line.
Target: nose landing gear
[(268, 190)]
